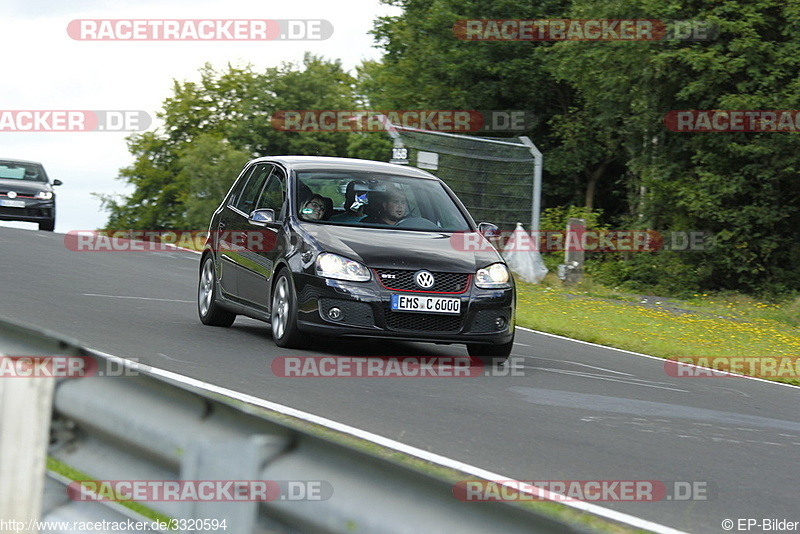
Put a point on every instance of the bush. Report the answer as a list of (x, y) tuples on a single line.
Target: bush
[(663, 273), (555, 220)]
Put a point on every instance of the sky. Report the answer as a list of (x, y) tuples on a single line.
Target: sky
[(45, 69)]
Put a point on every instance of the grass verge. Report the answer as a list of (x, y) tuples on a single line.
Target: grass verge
[(711, 326), (76, 475)]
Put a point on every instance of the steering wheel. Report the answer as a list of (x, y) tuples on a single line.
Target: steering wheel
[(417, 222)]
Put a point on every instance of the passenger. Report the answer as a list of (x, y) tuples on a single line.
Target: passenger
[(391, 210), (313, 209), (354, 202)]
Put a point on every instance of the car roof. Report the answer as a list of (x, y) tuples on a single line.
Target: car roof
[(12, 160), (345, 164)]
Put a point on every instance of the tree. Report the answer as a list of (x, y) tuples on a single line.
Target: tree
[(212, 127), (740, 187), (602, 106), (205, 177)]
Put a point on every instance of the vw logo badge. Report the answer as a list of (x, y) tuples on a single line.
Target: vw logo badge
[(424, 279), (12, 194)]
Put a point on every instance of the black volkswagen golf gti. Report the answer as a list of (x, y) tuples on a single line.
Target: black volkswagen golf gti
[(26, 193), (347, 247)]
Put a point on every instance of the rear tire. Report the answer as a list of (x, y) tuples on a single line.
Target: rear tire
[(207, 308), (491, 354), (283, 314)]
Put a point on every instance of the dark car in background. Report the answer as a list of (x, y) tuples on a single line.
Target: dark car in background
[(26, 193), (347, 247)]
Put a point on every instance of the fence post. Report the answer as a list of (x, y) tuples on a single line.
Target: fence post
[(538, 160), (573, 251), (25, 406)]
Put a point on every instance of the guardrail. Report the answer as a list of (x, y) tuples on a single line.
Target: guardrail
[(139, 425)]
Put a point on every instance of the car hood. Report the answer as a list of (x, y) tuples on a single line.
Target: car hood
[(24, 187), (403, 249)]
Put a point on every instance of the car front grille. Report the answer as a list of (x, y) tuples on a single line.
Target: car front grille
[(422, 322), (26, 212), (403, 280)]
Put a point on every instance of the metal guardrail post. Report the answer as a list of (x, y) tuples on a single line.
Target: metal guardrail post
[(25, 406), (238, 459)]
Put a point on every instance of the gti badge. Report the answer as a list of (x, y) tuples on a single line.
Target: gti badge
[(424, 279)]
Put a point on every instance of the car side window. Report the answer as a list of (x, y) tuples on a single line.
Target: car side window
[(274, 193), (236, 191), (247, 200)]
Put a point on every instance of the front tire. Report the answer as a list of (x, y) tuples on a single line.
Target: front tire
[(210, 312), (283, 314), (491, 354), (48, 226)]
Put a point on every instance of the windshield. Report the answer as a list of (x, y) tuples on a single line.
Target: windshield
[(379, 200), (21, 171)]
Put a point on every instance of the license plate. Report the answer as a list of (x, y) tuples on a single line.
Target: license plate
[(12, 203), (426, 304)]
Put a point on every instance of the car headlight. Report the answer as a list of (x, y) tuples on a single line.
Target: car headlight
[(491, 277), (44, 195), (334, 266)]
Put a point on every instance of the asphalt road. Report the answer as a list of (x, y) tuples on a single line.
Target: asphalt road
[(579, 412)]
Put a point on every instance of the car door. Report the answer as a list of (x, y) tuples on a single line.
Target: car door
[(264, 242), (221, 235), (232, 226)]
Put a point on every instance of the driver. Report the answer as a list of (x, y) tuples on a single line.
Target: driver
[(393, 208)]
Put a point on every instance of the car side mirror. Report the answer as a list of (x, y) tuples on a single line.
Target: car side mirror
[(262, 216), (57, 182), (488, 229)]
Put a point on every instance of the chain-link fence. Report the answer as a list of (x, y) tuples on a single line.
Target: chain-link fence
[(494, 178)]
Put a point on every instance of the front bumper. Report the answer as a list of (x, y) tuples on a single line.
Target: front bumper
[(487, 315), (34, 211)]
